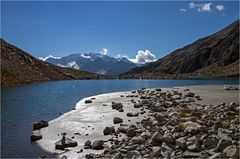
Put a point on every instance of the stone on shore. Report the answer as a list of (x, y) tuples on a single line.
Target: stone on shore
[(97, 145), (108, 130), (36, 135), (117, 120), (68, 143), (40, 124)]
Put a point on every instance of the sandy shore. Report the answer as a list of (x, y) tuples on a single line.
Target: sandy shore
[(89, 120)]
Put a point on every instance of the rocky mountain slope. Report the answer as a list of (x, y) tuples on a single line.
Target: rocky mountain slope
[(216, 55), (94, 62), (19, 67)]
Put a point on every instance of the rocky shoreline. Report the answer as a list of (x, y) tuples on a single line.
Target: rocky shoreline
[(150, 123)]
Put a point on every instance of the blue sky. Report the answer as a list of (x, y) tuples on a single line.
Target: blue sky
[(61, 28)]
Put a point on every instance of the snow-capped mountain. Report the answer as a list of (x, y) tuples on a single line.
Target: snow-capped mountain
[(94, 62)]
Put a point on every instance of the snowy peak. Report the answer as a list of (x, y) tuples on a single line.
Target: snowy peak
[(94, 62)]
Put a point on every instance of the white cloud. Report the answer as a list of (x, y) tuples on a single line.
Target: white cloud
[(50, 56), (143, 57), (220, 7), (104, 51), (201, 7), (183, 10)]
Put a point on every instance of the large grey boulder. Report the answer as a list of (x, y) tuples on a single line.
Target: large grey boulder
[(231, 152), (40, 124), (156, 139), (68, 143), (222, 144), (131, 132), (97, 145), (117, 106), (88, 144), (108, 130), (36, 135), (117, 120)]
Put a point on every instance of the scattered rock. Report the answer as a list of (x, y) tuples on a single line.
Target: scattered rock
[(222, 144), (88, 101), (231, 152), (132, 114), (137, 105), (61, 145), (40, 124), (156, 139), (88, 144), (190, 94), (97, 145), (108, 130), (36, 135), (131, 132), (117, 120)]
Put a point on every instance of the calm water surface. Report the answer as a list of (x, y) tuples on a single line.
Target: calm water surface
[(23, 105)]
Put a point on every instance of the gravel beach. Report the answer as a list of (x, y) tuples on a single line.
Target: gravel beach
[(180, 122)]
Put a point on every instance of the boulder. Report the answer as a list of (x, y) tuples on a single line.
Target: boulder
[(146, 135), (156, 139), (137, 140), (88, 101), (123, 129), (137, 105), (130, 114), (68, 143), (88, 144), (133, 154), (117, 120), (188, 154), (222, 144), (97, 145), (147, 123), (181, 143), (231, 152), (217, 124), (117, 155), (210, 143), (36, 135), (131, 132), (190, 94), (168, 138), (117, 106), (159, 117), (108, 130), (40, 124)]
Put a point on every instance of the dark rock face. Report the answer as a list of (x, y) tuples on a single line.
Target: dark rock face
[(40, 124), (214, 56), (19, 67)]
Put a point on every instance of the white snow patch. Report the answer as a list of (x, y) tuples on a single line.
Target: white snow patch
[(50, 56)]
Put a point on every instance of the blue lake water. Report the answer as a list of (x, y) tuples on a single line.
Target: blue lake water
[(23, 105)]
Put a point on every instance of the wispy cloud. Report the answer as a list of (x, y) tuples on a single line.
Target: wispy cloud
[(201, 7), (183, 10), (143, 57), (220, 7)]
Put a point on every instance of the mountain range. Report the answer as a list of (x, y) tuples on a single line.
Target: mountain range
[(214, 56), (94, 62), (19, 67)]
